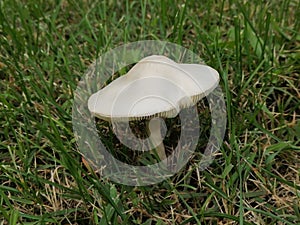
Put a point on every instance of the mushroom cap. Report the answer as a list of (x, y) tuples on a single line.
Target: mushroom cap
[(155, 87)]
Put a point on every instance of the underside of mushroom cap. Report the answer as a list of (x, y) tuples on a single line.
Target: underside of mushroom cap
[(155, 87)]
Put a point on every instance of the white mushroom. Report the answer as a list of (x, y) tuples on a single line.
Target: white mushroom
[(155, 87)]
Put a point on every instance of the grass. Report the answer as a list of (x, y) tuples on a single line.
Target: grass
[(46, 46)]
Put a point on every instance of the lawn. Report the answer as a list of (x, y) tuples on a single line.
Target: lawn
[(47, 46)]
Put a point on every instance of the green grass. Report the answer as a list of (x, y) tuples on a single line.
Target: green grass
[(46, 46)]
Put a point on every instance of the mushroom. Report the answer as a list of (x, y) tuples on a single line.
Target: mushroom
[(156, 87)]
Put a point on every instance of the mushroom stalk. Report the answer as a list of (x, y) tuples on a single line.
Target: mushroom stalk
[(155, 136)]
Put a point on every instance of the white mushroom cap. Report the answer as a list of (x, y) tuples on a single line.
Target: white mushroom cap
[(155, 86)]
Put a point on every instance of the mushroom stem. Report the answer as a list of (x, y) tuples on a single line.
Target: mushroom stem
[(156, 139)]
